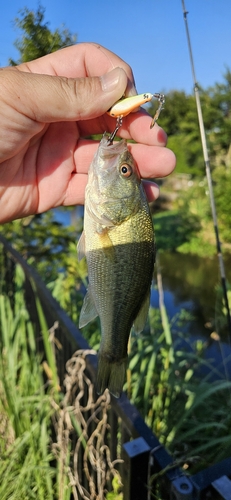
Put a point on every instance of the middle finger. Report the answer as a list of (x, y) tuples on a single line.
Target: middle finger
[(135, 126)]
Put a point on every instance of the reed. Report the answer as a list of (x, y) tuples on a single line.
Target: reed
[(26, 403)]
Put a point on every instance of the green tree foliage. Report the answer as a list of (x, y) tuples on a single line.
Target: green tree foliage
[(37, 39), (220, 135), (222, 190), (42, 241), (180, 121)]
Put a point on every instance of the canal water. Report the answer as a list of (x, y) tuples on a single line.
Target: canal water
[(193, 283)]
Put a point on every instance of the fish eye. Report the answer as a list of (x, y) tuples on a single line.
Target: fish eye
[(126, 170)]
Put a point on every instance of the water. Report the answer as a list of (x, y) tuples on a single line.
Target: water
[(69, 217), (192, 282)]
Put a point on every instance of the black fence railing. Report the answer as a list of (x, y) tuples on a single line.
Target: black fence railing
[(147, 469)]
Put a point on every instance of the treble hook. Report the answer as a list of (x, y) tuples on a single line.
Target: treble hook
[(161, 100)]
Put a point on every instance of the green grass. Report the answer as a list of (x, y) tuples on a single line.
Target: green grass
[(26, 405)]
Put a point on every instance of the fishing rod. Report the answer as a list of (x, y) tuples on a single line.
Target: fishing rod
[(208, 174)]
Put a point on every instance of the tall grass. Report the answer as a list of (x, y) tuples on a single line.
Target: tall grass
[(26, 405)]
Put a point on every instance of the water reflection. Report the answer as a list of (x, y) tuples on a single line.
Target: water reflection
[(192, 282)]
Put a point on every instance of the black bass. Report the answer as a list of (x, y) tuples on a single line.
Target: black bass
[(118, 242)]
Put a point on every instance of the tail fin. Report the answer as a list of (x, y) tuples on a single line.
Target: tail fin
[(110, 375)]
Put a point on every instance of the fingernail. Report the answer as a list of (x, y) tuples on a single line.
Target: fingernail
[(110, 80)]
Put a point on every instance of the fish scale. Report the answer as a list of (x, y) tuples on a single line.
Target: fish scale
[(119, 248)]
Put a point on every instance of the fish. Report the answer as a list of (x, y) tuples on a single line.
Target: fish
[(118, 243)]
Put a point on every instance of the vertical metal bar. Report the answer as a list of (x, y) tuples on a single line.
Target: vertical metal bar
[(135, 469), (182, 489), (208, 174), (223, 487), (113, 443)]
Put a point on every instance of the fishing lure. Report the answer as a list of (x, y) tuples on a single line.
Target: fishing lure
[(125, 106)]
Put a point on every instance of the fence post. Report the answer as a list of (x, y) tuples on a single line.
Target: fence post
[(182, 489), (135, 469), (223, 487)]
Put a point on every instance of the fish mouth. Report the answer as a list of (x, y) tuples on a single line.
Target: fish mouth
[(112, 149)]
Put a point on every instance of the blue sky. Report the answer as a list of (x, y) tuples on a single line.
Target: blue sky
[(149, 34)]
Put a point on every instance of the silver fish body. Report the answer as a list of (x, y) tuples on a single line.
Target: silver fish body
[(118, 241)]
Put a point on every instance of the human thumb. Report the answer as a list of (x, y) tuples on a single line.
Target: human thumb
[(46, 98)]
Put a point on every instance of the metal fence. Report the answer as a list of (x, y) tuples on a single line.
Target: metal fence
[(146, 468)]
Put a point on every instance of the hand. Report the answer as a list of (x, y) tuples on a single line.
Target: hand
[(47, 109)]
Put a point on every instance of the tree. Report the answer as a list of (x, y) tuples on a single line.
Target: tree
[(220, 136), (179, 119), (175, 109), (37, 40)]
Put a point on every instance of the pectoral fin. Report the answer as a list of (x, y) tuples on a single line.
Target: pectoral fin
[(141, 318), (81, 246), (88, 311)]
